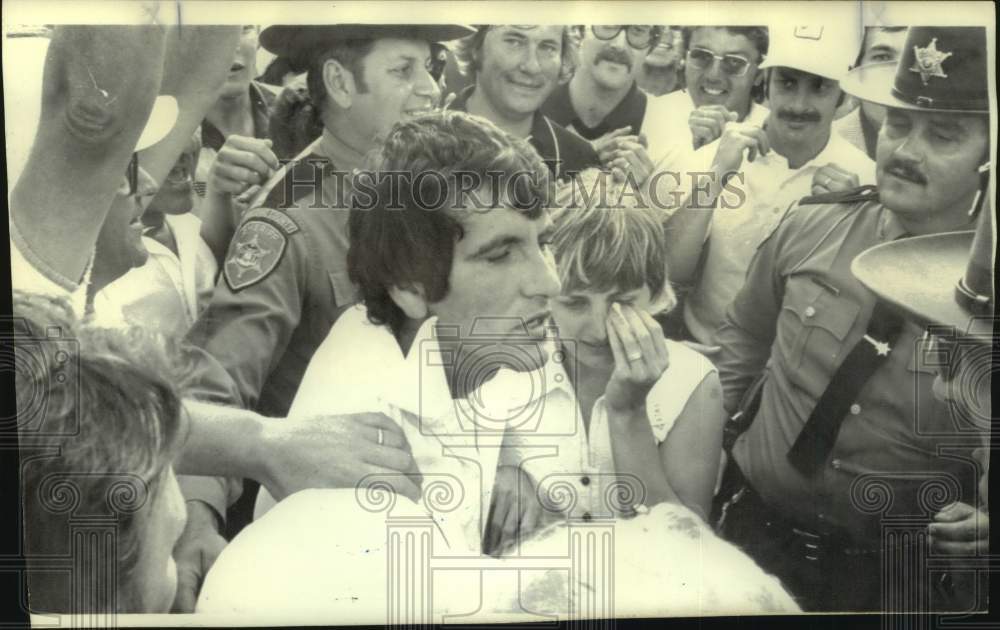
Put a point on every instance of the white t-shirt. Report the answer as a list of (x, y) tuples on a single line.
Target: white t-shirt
[(168, 292), (549, 437), (29, 273)]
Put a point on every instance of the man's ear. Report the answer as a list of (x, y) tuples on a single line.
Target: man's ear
[(411, 299), (339, 83), (759, 91)]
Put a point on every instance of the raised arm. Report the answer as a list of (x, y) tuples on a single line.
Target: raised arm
[(98, 89), (196, 61), (707, 177)]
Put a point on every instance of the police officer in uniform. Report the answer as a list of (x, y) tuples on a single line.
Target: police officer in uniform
[(944, 282), (844, 431), (285, 275)]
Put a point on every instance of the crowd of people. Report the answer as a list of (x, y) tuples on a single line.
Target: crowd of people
[(743, 271)]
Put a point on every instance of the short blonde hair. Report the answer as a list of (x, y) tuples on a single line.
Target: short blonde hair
[(611, 242)]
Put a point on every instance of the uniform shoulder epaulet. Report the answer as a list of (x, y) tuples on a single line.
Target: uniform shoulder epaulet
[(854, 195), (257, 247)]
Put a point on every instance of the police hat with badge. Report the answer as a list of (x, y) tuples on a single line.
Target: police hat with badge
[(300, 43), (942, 69)]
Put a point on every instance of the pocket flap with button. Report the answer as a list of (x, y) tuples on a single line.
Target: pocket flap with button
[(823, 320)]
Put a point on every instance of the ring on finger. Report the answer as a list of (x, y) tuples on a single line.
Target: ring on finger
[(634, 356), (380, 436)]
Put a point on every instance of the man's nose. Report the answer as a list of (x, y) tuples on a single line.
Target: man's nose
[(714, 70), (799, 101), (543, 278), (147, 186), (427, 86), (529, 62), (911, 148)]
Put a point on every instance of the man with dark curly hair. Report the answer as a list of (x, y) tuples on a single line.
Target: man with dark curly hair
[(514, 69), (449, 247)]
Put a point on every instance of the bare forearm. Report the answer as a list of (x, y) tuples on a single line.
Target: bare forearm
[(685, 232), (217, 225), (198, 58), (636, 457), (94, 109), (222, 441)]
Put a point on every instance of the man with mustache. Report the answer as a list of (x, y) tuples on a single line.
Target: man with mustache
[(792, 154), (603, 102), (881, 44), (285, 277), (845, 411), (514, 69)]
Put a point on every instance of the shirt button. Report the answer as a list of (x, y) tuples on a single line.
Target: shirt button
[(855, 409), (587, 517), (585, 480), (810, 311)]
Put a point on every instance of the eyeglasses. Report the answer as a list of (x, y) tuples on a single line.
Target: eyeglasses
[(638, 37), (733, 65), (132, 172)]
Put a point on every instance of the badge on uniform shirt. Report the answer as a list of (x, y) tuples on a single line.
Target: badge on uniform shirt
[(256, 249)]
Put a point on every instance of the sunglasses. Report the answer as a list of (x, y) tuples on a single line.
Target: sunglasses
[(132, 173), (733, 65), (638, 37)]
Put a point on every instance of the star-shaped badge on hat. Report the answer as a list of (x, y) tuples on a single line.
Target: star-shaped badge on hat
[(928, 61)]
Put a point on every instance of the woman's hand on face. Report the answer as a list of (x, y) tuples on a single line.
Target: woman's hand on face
[(641, 356)]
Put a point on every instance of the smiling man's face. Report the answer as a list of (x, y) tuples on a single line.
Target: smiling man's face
[(712, 86), (519, 67), (397, 75)]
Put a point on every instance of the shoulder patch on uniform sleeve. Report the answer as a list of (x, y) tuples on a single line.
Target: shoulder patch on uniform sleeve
[(861, 193), (255, 251)]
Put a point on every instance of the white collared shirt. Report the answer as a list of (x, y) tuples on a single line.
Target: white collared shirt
[(360, 367), (574, 468), (167, 293), (770, 187)]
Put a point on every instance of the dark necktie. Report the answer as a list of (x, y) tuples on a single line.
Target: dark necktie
[(816, 440)]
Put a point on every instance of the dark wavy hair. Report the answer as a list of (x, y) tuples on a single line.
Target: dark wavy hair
[(468, 48), (398, 241), (293, 123), (101, 409)]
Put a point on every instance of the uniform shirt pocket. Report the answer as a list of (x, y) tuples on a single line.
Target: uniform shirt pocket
[(819, 320)]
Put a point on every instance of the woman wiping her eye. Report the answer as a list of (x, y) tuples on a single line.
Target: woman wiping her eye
[(635, 419)]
